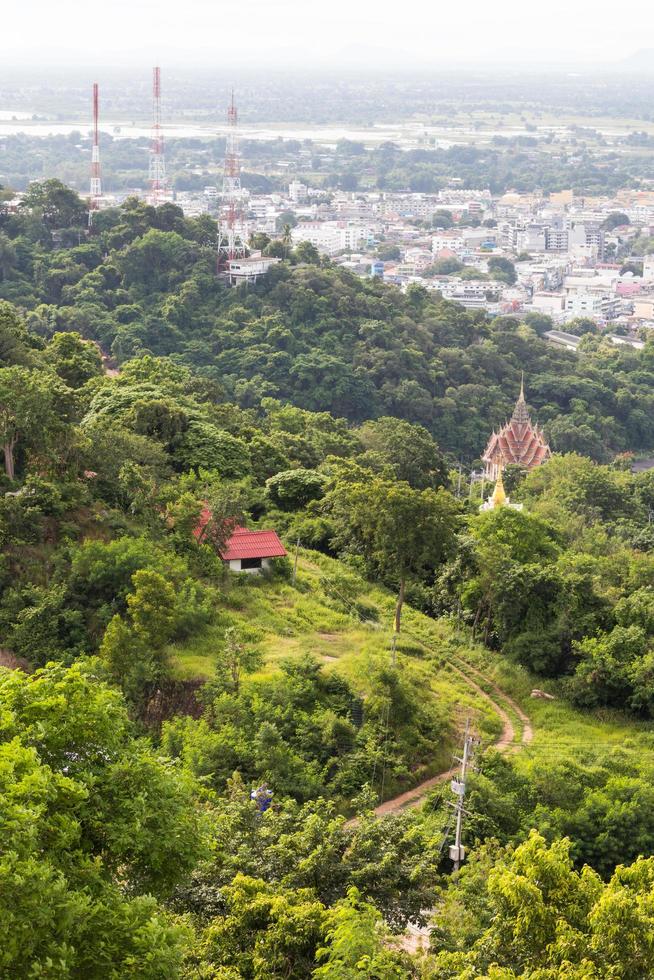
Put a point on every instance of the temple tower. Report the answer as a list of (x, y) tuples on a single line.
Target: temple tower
[(519, 442)]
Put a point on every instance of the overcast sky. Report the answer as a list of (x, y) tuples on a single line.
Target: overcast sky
[(301, 33)]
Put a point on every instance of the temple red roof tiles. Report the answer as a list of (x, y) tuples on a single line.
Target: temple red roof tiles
[(518, 442)]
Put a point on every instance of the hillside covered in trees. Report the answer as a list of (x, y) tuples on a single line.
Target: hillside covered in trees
[(150, 698), (315, 336)]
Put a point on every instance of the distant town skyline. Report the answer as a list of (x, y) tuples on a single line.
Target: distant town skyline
[(368, 34)]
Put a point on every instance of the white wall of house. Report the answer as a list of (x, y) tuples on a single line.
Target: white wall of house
[(235, 566)]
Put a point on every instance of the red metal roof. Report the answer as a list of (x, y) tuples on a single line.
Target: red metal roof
[(203, 520), (252, 544)]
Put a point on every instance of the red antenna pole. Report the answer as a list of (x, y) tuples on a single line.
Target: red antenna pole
[(157, 160), (96, 175), (231, 238)]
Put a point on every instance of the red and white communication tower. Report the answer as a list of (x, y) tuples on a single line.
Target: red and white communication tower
[(231, 230), (96, 175), (158, 185)]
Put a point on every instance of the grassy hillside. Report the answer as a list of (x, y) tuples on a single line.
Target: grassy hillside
[(349, 637)]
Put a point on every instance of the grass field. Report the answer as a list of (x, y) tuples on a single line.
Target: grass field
[(288, 621)]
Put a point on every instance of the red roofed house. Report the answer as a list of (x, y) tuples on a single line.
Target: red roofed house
[(251, 551), (519, 441)]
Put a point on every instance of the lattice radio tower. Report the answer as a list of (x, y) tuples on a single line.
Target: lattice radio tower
[(158, 185), (96, 175), (231, 244)]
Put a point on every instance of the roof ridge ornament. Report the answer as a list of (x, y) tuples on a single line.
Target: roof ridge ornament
[(521, 412)]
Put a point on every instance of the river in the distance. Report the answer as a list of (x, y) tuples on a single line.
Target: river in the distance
[(410, 133)]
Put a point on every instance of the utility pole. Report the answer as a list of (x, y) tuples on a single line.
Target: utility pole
[(457, 851), (458, 489), (297, 549)]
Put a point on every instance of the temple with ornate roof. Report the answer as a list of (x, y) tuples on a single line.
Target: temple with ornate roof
[(519, 442)]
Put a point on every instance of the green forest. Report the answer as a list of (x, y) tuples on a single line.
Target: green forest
[(577, 156), (201, 772)]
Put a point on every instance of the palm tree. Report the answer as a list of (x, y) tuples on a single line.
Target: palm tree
[(287, 239)]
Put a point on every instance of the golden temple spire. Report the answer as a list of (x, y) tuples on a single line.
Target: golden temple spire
[(499, 493)]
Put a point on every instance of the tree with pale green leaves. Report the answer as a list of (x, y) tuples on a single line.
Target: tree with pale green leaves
[(358, 945), (543, 920), (94, 824)]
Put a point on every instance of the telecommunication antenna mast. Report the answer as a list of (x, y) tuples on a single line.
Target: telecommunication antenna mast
[(157, 160), (231, 244), (96, 176)]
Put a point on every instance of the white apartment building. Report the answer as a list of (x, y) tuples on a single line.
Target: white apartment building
[(461, 198), (452, 240), (532, 239), (548, 303), (417, 205), (508, 234), (581, 234), (591, 282), (592, 305), (331, 237), (298, 192)]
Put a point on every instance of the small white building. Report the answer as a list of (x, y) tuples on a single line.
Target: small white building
[(251, 551), (248, 269)]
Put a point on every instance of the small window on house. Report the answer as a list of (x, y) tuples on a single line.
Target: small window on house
[(250, 563)]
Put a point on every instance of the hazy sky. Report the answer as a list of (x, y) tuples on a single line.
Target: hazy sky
[(289, 33)]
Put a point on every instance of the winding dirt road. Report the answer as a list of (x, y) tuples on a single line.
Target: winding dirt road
[(505, 743)]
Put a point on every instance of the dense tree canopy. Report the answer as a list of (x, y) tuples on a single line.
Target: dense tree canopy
[(188, 771), (317, 337)]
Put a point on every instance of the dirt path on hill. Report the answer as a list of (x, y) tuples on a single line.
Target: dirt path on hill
[(417, 937), (505, 743), (499, 702), (527, 730)]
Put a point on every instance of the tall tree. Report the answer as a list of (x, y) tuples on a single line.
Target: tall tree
[(409, 449), (94, 824), (74, 359), (26, 410), (14, 339), (57, 205), (401, 532)]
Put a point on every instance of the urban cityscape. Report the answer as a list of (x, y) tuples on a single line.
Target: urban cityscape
[(569, 256)]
